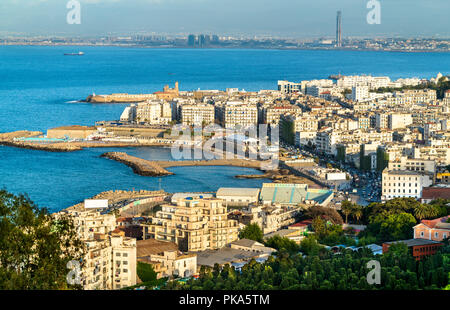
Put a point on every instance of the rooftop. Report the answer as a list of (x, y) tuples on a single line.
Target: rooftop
[(281, 233), (436, 192), (437, 223), (246, 243), (74, 127), (415, 242), (236, 191), (224, 256), (151, 247)]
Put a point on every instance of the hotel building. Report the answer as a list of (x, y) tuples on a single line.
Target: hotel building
[(193, 224)]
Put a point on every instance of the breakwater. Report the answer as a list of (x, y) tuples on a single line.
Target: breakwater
[(140, 166), (158, 168)]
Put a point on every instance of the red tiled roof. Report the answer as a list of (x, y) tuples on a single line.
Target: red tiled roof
[(124, 219), (302, 223), (433, 223), (436, 192)]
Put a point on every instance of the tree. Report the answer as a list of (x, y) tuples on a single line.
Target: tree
[(420, 212), (282, 243), (310, 246), (327, 214), (35, 247), (252, 232), (397, 226), (358, 212), (347, 208), (423, 211)]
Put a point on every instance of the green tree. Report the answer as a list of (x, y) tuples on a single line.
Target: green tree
[(252, 232), (397, 226), (282, 243), (35, 247), (310, 246), (358, 212), (347, 208), (145, 272)]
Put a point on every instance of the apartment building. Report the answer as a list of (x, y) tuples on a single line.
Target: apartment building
[(193, 224), (410, 97), (404, 183), (237, 114), (439, 154), (396, 121), (154, 113), (327, 140), (272, 114), (362, 80), (381, 120), (360, 93), (412, 164), (295, 129), (123, 261), (287, 87), (196, 115), (103, 267), (364, 122)]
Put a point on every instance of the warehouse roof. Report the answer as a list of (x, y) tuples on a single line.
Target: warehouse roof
[(236, 191)]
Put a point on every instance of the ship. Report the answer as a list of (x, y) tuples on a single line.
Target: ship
[(74, 54)]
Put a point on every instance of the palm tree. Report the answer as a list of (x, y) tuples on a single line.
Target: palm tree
[(420, 212), (431, 211), (358, 212), (347, 209)]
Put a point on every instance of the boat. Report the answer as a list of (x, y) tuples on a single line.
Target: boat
[(74, 54)]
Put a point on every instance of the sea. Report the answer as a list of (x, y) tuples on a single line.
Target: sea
[(40, 88)]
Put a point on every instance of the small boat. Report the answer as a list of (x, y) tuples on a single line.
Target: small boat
[(74, 54)]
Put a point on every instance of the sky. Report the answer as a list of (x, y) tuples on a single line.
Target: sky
[(282, 18)]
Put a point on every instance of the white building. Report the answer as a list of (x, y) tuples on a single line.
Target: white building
[(404, 183), (197, 115), (154, 113), (235, 114), (397, 120), (360, 93), (110, 260)]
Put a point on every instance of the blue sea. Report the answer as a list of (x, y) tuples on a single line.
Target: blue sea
[(40, 87)]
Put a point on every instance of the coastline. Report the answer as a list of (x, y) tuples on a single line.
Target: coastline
[(74, 146), (231, 48)]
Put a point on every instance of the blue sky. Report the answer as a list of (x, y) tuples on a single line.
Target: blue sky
[(289, 18)]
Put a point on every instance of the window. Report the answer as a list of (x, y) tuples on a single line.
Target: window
[(436, 235), (421, 234)]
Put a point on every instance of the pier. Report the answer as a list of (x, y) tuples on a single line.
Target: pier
[(158, 168)]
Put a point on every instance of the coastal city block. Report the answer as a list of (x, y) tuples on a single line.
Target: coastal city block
[(346, 143)]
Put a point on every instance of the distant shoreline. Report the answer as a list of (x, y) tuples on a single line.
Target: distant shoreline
[(231, 48)]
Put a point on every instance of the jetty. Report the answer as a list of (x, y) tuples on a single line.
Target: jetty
[(158, 168), (140, 166)]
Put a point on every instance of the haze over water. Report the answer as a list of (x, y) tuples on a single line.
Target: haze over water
[(38, 87)]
